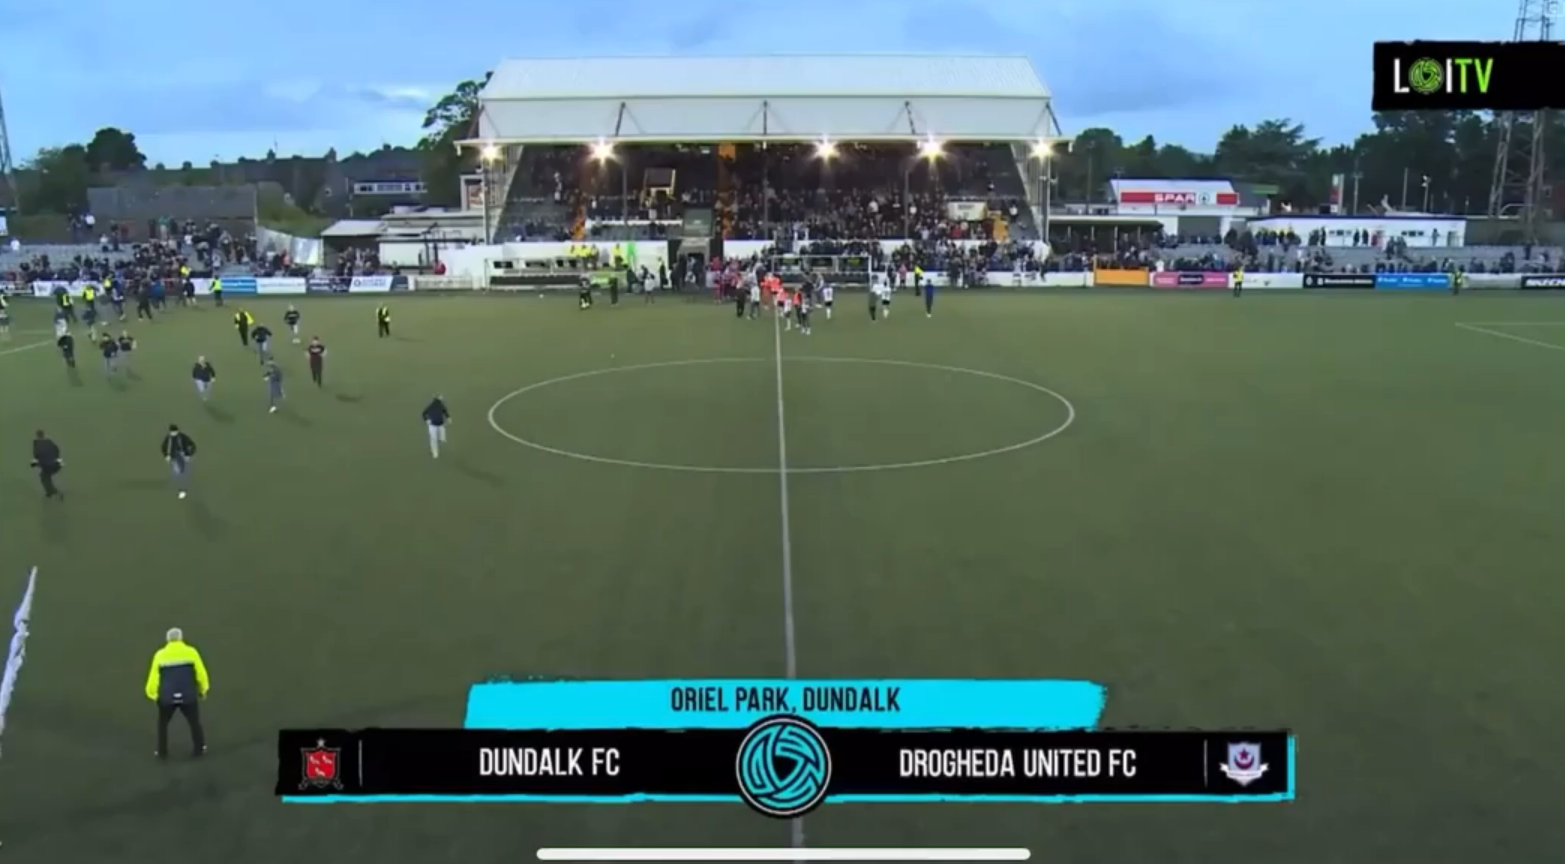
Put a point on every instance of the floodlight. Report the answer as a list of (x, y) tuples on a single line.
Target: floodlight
[(929, 148), (825, 149), (1043, 148), (490, 153), (602, 150)]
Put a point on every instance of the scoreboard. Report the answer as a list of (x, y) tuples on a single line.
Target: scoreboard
[(822, 743)]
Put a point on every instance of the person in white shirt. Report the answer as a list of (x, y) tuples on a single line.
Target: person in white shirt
[(755, 296), (804, 313), (826, 297), (785, 308)]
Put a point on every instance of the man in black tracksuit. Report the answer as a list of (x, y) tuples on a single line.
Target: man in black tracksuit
[(47, 459), (178, 682), (383, 322)]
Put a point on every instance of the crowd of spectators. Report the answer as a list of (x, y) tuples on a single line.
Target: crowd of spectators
[(358, 261), (145, 261), (786, 190)]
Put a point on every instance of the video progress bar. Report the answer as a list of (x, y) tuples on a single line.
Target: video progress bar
[(782, 854)]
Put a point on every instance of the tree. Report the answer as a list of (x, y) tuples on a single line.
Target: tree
[(1095, 157), (57, 181), (450, 120), (112, 149)]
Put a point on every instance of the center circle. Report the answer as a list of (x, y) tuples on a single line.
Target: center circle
[(1064, 424)]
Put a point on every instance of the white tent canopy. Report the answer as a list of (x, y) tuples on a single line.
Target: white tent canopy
[(779, 98)]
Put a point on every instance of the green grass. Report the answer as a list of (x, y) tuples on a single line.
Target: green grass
[(1339, 514)]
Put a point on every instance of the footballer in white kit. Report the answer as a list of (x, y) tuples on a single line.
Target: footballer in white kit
[(755, 296), (880, 293), (826, 297), (785, 306)]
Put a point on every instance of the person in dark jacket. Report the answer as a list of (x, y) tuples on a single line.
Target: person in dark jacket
[(178, 449), (177, 683), (436, 416), (47, 459)]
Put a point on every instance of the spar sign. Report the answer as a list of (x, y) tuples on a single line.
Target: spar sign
[(1186, 198)]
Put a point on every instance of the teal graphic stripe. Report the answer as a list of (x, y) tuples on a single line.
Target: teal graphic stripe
[(924, 704)]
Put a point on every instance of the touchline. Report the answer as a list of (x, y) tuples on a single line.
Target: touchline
[(1459, 75)]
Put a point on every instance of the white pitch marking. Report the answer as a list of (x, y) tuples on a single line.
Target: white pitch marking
[(1514, 323), (1070, 419), (1511, 336), (790, 643), (28, 347)]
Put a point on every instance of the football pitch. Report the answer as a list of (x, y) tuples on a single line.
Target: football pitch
[(1336, 514)]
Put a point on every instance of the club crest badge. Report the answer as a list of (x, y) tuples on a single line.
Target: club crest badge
[(322, 767), (1244, 765)]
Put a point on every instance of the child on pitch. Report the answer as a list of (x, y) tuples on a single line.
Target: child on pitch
[(110, 350), (126, 346)]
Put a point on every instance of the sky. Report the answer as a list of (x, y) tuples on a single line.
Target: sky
[(197, 80)]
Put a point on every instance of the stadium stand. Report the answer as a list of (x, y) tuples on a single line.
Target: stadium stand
[(755, 158)]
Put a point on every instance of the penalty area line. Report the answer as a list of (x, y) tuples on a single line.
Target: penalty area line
[(1511, 336), (28, 347)]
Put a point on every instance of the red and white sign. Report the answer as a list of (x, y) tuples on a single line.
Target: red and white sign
[(1204, 199)]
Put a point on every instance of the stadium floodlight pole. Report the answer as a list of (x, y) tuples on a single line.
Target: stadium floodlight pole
[(602, 154), (1044, 150), (486, 158)]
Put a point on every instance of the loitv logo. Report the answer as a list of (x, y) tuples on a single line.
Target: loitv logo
[(1428, 76)]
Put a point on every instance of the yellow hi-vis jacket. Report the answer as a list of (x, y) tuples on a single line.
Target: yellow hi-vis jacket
[(176, 668)]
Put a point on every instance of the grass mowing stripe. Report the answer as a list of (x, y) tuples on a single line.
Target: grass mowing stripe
[(790, 646)]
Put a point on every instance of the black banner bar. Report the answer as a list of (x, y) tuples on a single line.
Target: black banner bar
[(1547, 282), (1339, 280), (1474, 76), (621, 763)]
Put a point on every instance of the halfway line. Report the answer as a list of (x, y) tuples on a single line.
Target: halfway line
[(790, 644)]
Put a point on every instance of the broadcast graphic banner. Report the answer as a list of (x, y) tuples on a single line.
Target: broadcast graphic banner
[(1189, 280), (911, 703), (1412, 281), (783, 766)]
